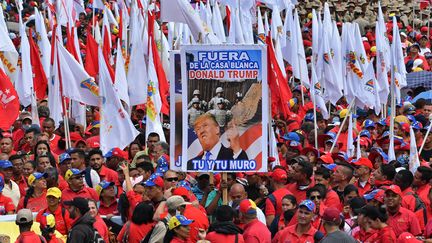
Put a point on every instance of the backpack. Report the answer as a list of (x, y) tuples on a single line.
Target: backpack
[(97, 238), (87, 177), (147, 238), (274, 226), (420, 208)]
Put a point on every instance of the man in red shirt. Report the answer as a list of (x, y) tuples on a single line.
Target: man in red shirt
[(48, 126), (61, 215), (302, 175), (362, 172), (97, 164), (108, 200), (421, 183), (254, 230), (75, 180), (400, 219), (322, 176), (6, 204), (303, 231), (6, 145), (223, 229), (24, 220), (274, 201), (18, 176)]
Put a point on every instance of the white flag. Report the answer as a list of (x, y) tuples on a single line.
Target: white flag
[(316, 94), (350, 139), (414, 161), (137, 74), (76, 82), (54, 95), (154, 103), (24, 86), (120, 76), (9, 60), (382, 57), (43, 42), (298, 58), (116, 128), (398, 62), (217, 23)]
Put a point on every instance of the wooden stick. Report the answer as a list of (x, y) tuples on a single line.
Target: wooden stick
[(225, 190)]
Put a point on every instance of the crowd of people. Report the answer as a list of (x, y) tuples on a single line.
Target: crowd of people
[(311, 194)]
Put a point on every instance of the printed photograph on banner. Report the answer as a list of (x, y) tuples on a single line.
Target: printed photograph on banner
[(225, 106), (176, 132)]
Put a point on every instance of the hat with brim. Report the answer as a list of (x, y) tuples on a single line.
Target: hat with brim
[(178, 220)]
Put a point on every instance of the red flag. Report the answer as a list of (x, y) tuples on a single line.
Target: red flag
[(163, 81), (40, 81), (9, 102), (91, 63), (424, 4), (228, 17), (106, 47), (280, 92), (70, 45)]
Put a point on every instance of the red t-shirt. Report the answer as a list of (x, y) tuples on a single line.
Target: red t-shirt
[(108, 209), (278, 195), (289, 234), (107, 174), (404, 221), (363, 190), (136, 232), (385, 235), (214, 237), (35, 204), (54, 144), (256, 232), (200, 221), (299, 194), (63, 221), (22, 184), (6, 205), (86, 192), (331, 199), (29, 236)]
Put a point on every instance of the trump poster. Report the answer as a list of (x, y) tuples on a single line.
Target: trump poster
[(225, 108)]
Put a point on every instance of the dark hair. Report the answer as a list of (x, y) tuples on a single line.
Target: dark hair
[(389, 171), (49, 156), (375, 213), (224, 213), (320, 188), (80, 153), (153, 134), (93, 152), (49, 119), (33, 130), (33, 163), (146, 166), (324, 172), (52, 171), (123, 207), (142, 214), (39, 143), (291, 198), (406, 179), (426, 173), (29, 193), (350, 188), (130, 146), (307, 168), (15, 157)]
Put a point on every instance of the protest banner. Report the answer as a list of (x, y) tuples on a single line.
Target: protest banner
[(226, 99), (176, 133)]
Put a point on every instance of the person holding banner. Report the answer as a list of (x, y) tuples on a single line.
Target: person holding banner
[(208, 131)]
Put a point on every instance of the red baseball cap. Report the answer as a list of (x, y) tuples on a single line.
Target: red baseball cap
[(247, 206), (326, 158), (407, 237), (181, 191), (363, 161), (331, 214), (279, 175), (395, 189), (75, 136)]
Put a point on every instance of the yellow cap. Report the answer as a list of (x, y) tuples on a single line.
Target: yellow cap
[(55, 192), (402, 119), (309, 15), (373, 49), (343, 113)]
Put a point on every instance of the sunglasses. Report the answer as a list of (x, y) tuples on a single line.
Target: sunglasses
[(315, 197), (172, 179)]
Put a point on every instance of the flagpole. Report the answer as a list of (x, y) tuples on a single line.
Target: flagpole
[(391, 153), (66, 124), (93, 18), (424, 140), (341, 126)]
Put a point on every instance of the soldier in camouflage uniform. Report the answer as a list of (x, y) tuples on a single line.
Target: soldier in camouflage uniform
[(202, 104), (222, 115), (194, 112), (213, 102)]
